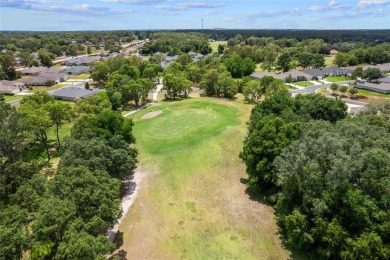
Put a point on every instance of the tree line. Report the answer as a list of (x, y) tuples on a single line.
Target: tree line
[(176, 43), (62, 212), (326, 174)]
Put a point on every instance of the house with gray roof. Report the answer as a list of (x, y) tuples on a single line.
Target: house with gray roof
[(330, 71), (11, 87), (81, 61), (35, 71), (382, 87), (296, 75), (385, 80), (77, 70), (45, 79), (74, 92)]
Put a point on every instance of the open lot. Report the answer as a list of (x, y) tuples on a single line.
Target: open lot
[(329, 60), (214, 45), (192, 202)]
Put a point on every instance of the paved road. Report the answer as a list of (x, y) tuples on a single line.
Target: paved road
[(313, 89)]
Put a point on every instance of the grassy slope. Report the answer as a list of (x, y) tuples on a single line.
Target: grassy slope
[(191, 202)]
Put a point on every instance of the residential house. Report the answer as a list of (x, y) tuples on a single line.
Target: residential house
[(77, 70), (74, 92), (35, 71), (325, 72), (81, 61), (11, 87), (382, 87), (45, 79)]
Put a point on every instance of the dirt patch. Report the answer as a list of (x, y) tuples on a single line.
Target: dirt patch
[(131, 183), (151, 114)]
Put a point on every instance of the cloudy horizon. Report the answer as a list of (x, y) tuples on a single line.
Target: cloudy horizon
[(58, 15)]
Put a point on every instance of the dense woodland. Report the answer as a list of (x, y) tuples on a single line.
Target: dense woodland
[(61, 212), (326, 175), (331, 36)]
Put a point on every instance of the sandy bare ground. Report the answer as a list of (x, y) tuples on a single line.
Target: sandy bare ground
[(151, 114), (132, 184)]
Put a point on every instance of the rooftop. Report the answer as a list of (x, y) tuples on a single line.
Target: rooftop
[(74, 92)]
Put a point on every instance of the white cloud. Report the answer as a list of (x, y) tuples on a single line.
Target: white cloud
[(367, 3), (189, 5), (136, 2), (213, 12)]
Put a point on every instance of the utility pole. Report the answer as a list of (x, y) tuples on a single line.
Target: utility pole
[(202, 26)]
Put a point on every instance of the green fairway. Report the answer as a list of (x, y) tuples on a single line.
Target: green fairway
[(191, 203)]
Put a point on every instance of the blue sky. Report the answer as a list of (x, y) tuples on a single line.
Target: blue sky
[(68, 15)]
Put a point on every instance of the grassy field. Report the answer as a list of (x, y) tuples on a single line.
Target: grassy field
[(329, 60), (303, 83), (192, 202), (336, 79), (214, 45), (81, 76), (259, 68)]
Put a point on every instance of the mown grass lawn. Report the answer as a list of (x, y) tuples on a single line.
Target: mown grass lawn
[(191, 202), (289, 87), (8, 98), (48, 88), (81, 76), (303, 83), (329, 60), (364, 92), (214, 45), (336, 79)]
